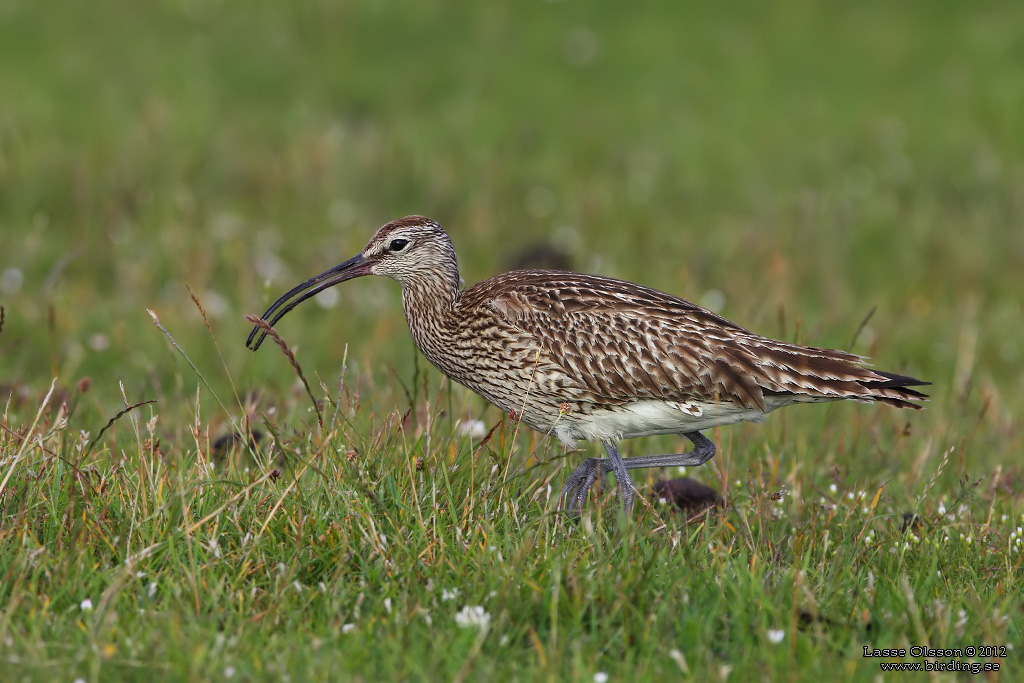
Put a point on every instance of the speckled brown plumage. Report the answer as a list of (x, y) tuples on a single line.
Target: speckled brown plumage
[(588, 357)]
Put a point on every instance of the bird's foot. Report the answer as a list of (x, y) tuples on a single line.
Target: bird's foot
[(579, 483), (574, 493)]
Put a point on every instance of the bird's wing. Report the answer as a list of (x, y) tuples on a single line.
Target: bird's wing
[(625, 342)]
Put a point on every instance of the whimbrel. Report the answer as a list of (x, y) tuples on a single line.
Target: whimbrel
[(591, 358)]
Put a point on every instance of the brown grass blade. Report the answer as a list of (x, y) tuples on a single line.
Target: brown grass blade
[(110, 423), (266, 327)]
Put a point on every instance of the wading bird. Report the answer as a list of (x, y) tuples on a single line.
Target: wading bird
[(588, 357)]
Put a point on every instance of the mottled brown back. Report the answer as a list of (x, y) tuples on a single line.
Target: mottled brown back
[(629, 342)]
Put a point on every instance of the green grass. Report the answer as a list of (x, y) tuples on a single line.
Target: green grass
[(796, 165)]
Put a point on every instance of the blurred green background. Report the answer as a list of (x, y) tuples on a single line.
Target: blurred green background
[(791, 165)]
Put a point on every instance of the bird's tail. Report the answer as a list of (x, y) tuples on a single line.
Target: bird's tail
[(814, 374)]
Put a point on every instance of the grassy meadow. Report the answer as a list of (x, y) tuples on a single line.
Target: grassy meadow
[(829, 174)]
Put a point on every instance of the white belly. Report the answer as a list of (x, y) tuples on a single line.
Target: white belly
[(648, 418)]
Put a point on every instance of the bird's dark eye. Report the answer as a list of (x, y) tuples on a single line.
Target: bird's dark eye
[(398, 245)]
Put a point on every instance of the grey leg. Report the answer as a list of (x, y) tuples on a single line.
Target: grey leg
[(621, 476), (583, 477), (704, 450)]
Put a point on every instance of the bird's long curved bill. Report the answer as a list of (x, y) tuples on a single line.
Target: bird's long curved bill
[(355, 267)]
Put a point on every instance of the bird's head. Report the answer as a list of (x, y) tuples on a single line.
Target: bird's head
[(413, 250), (410, 249)]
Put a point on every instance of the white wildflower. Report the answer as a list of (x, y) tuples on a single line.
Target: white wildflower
[(475, 616), (474, 429), (775, 636)]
